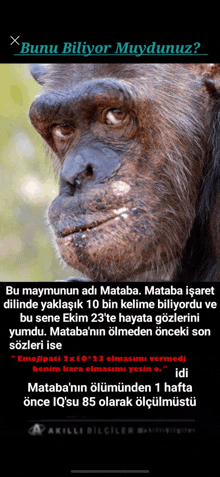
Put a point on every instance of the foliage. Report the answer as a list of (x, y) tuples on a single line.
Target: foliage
[(28, 184)]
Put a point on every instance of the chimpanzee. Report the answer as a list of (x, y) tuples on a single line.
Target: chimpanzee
[(138, 147)]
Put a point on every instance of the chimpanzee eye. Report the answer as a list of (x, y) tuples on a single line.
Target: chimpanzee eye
[(62, 131), (115, 116)]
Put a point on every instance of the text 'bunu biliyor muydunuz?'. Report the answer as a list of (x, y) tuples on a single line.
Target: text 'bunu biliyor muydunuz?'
[(82, 48)]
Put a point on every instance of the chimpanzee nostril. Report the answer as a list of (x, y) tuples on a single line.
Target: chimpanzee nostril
[(89, 170), (85, 175)]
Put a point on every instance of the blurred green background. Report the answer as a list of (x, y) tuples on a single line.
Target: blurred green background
[(28, 183)]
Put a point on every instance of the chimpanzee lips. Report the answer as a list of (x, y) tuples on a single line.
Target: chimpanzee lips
[(92, 222), (72, 230)]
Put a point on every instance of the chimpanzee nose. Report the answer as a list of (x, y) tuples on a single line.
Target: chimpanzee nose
[(88, 165), (74, 167)]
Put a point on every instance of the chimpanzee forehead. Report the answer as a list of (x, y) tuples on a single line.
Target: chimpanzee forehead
[(156, 81), (66, 75), (151, 76)]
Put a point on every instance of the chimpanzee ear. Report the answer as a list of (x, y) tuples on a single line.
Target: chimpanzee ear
[(210, 70), (39, 71)]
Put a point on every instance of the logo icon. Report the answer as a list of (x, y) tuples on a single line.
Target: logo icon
[(36, 430)]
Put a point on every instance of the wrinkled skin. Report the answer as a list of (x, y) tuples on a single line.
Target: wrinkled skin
[(132, 142)]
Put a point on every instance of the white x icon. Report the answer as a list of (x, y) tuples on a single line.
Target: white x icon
[(14, 40)]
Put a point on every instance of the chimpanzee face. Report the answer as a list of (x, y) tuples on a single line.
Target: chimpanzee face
[(131, 141)]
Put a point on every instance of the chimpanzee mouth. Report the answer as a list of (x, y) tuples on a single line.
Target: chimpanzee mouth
[(115, 215)]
